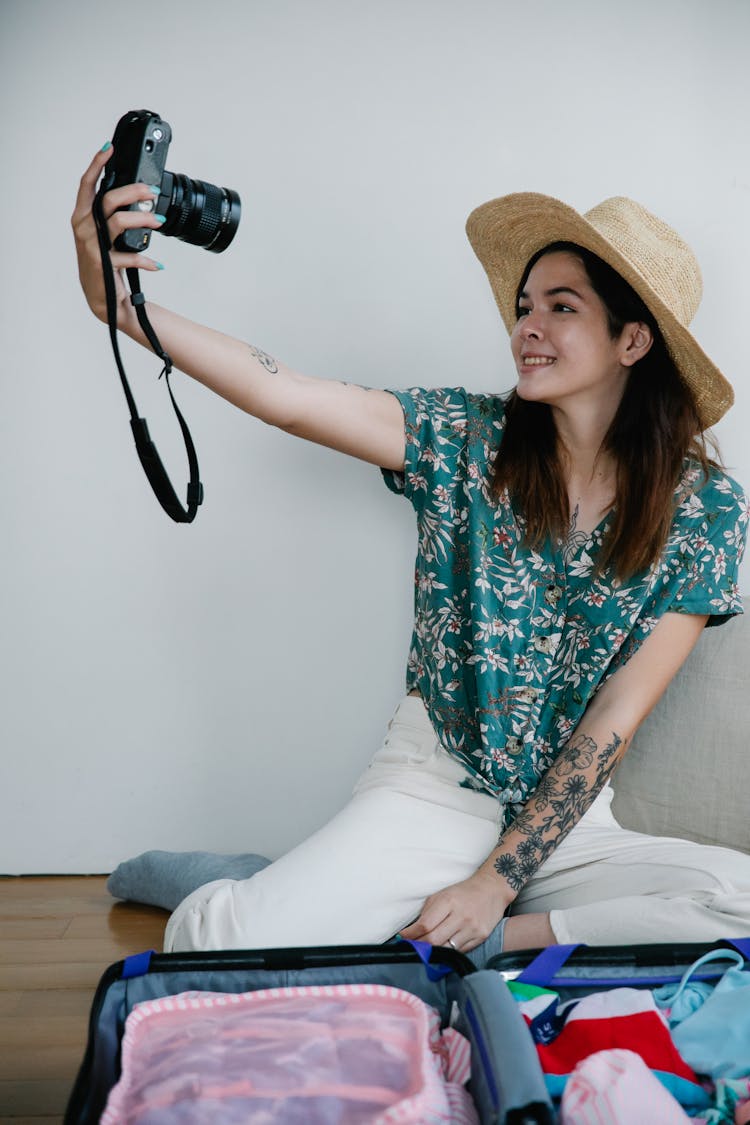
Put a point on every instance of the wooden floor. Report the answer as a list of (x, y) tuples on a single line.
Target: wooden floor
[(57, 935)]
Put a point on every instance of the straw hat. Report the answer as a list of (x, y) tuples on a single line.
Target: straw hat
[(661, 268)]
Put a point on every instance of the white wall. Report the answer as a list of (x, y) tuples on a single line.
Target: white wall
[(221, 685)]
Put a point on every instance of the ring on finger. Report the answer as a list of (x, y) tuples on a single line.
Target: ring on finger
[(452, 944)]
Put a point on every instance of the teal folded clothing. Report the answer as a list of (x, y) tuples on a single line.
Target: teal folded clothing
[(711, 1023)]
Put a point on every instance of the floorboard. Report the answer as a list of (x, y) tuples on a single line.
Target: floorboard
[(57, 935)]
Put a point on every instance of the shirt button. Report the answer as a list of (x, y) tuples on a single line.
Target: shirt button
[(553, 594), (527, 695), (514, 746), (543, 644)]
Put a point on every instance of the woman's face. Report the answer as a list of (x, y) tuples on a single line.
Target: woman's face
[(561, 343)]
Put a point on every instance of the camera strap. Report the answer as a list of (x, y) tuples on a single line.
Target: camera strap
[(147, 451)]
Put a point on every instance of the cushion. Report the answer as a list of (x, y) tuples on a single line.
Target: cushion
[(685, 773)]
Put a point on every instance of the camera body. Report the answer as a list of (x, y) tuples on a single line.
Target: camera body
[(195, 211)]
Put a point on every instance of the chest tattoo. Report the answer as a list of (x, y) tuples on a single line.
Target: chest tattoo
[(575, 539)]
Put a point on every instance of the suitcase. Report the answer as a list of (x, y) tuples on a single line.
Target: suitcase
[(506, 1084)]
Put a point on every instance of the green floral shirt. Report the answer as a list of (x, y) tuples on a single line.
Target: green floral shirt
[(509, 643)]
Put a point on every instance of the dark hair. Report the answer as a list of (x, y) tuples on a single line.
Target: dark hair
[(655, 428)]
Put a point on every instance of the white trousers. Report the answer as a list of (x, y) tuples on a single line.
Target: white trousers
[(410, 830)]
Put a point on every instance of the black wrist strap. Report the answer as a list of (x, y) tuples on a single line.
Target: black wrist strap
[(147, 451)]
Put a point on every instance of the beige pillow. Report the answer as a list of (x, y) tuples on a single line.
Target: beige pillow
[(686, 772)]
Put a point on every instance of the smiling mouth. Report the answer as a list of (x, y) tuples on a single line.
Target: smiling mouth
[(537, 360)]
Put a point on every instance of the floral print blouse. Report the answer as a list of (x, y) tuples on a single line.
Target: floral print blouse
[(509, 643)]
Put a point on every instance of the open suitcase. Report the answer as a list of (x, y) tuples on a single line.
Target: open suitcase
[(506, 1085)]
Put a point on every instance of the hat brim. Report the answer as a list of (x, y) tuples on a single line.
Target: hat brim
[(506, 232)]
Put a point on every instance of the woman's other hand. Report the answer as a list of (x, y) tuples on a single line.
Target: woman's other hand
[(463, 915)]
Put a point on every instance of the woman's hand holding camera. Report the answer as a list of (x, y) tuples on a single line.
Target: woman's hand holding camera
[(87, 245)]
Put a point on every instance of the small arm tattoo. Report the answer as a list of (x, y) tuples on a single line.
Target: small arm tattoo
[(267, 361), (564, 795)]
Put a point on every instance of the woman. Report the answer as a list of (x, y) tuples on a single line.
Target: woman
[(573, 542)]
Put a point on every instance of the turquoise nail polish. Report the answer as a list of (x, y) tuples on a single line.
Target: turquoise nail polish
[(160, 218), (159, 266), (106, 146), (155, 189)]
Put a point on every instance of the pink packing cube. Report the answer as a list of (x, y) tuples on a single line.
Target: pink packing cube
[(343, 1054)]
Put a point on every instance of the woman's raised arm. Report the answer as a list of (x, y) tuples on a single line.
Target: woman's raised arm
[(367, 424)]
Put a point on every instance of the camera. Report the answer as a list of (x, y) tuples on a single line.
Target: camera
[(196, 211)]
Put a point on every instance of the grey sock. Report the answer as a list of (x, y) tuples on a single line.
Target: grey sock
[(166, 878), (489, 948)]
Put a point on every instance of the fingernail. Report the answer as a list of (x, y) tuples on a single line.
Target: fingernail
[(160, 218), (106, 146), (159, 265), (155, 189)]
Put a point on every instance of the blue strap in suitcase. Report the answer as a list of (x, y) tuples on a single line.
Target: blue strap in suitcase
[(545, 969)]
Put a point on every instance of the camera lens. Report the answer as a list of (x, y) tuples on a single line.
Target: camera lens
[(200, 213)]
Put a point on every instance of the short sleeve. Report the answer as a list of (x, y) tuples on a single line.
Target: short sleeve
[(718, 544), (435, 426)]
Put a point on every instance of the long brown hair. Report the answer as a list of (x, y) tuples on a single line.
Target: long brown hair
[(655, 428)]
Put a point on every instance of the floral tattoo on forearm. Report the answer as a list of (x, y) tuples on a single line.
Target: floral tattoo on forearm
[(267, 361), (563, 795)]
